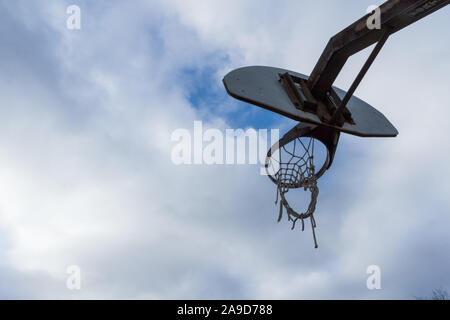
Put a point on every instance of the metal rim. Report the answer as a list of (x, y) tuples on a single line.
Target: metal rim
[(302, 130)]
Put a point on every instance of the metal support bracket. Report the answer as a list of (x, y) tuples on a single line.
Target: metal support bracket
[(337, 115), (302, 98)]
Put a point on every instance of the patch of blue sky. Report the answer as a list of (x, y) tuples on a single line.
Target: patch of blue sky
[(204, 92)]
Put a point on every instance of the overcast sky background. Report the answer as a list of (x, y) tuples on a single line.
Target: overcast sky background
[(86, 177)]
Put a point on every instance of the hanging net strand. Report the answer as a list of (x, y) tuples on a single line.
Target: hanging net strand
[(296, 171), (294, 167)]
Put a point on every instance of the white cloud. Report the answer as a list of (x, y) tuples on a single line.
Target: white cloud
[(86, 177)]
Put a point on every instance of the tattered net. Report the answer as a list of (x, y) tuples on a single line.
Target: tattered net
[(293, 167)]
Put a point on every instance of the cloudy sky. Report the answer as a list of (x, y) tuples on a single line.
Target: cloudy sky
[(86, 176)]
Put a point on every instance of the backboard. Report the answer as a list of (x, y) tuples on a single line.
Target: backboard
[(261, 86)]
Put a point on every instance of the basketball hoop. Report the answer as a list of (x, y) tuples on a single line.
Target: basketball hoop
[(290, 164), (322, 110)]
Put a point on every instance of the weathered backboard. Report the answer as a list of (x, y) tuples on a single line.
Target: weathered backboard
[(260, 85)]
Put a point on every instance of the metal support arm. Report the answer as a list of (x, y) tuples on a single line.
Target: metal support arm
[(395, 15)]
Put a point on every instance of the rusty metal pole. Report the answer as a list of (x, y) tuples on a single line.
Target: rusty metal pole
[(395, 15), (360, 76)]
